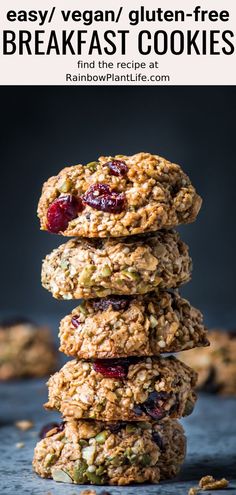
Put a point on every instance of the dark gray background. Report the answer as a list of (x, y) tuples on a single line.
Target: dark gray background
[(45, 128)]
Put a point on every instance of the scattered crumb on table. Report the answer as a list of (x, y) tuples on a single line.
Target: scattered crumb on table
[(24, 424), (208, 483)]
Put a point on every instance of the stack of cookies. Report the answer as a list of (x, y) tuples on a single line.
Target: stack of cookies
[(120, 398)]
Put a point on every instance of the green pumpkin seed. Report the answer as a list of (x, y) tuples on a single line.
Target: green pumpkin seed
[(65, 186), (101, 437), (83, 443), (100, 470), (106, 271), (61, 476), (128, 452), (94, 478), (49, 459), (130, 275), (86, 274), (64, 264), (133, 459), (131, 428), (92, 166), (145, 460), (153, 321), (82, 309), (79, 474)]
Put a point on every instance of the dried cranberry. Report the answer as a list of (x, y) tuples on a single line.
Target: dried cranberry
[(62, 211), (117, 167), (102, 198), (116, 302), (50, 426), (110, 370), (115, 368), (75, 321), (158, 440), (156, 412), (154, 405)]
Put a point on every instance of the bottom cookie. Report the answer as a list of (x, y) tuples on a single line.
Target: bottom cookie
[(115, 453)]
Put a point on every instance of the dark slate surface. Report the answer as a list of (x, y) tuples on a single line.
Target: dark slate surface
[(211, 432)]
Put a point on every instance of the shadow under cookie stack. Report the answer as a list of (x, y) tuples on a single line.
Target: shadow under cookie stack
[(120, 398)]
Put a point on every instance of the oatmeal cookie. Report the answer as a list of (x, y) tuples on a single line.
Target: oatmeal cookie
[(132, 389), (118, 196), (26, 350), (111, 453), (98, 268), (216, 365), (122, 326)]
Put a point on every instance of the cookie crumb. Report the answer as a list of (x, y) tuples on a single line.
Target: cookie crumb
[(20, 445), (192, 491), (24, 424), (88, 492), (210, 483)]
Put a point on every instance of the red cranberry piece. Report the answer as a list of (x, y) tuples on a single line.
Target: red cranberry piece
[(62, 211), (154, 405), (75, 321), (110, 370), (156, 412), (117, 167), (114, 368), (116, 302), (102, 198)]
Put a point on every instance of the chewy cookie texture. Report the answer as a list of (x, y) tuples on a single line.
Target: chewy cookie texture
[(97, 268), (216, 365), (132, 389), (118, 196), (111, 453), (122, 326), (26, 350)]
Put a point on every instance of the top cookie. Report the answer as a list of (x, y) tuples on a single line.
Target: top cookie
[(118, 196)]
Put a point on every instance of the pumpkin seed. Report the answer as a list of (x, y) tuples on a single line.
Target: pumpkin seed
[(61, 476)]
